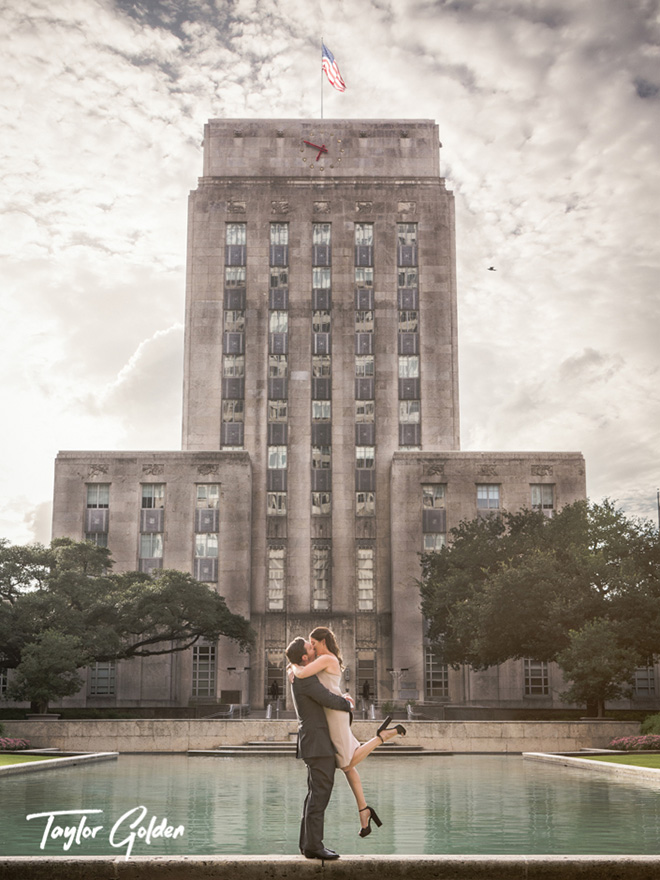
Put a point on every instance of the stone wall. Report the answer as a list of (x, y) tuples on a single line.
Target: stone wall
[(163, 735)]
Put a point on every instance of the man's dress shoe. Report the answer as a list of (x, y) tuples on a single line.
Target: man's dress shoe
[(327, 854)]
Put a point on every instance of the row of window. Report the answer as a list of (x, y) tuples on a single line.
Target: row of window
[(152, 525), (321, 578), (102, 680)]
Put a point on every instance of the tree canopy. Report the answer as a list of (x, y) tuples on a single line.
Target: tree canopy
[(524, 585), (62, 608)]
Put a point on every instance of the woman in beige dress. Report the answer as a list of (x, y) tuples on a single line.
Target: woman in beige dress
[(328, 666)]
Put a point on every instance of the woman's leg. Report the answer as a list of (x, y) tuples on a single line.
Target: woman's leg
[(353, 779), (367, 748)]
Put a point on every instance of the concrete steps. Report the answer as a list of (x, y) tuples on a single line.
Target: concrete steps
[(269, 749)]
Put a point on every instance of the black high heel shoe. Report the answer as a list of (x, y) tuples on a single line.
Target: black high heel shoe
[(383, 727), (401, 730), (366, 831)]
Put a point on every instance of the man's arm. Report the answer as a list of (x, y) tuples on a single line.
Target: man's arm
[(312, 688)]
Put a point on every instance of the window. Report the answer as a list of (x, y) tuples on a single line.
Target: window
[(434, 541), (409, 366), (365, 578), (365, 503), (232, 410), (321, 504), (235, 276), (277, 457), (536, 678), (275, 678), (644, 680), (236, 233), (233, 366), (366, 675), (208, 496), (364, 234), (364, 411), (364, 321), (278, 410), (364, 366), (279, 322), (321, 410), (98, 538), (321, 277), (276, 556), (279, 233), (408, 276), (364, 277), (433, 497), (277, 366), (153, 496), (321, 366), (203, 671), (437, 676), (102, 678), (206, 546), (98, 495), (276, 504), (321, 233), (3, 680), (409, 411), (279, 276), (408, 321), (320, 578), (365, 456), (234, 321), (543, 498), (151, 545), (407, 234), (321, 457), (321, 321), (488, 497)]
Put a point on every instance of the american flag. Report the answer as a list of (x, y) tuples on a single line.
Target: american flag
[(331, 70)]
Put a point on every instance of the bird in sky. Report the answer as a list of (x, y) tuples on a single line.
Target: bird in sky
[(492, 269)]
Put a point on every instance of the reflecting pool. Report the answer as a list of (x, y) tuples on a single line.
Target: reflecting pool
[(235, 806)]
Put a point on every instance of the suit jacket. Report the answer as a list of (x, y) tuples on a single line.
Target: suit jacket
[(309, 698)]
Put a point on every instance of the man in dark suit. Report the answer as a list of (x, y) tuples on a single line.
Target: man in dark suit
[(315, 748)]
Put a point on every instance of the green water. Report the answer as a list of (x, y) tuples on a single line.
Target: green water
[(433, 805)]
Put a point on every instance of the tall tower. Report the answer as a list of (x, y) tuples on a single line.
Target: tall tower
[(321, 339), (320, 423)]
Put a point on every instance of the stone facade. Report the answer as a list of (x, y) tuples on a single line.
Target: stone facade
[(321, 397)]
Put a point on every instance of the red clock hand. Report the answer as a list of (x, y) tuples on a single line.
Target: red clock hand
[(322, 149)]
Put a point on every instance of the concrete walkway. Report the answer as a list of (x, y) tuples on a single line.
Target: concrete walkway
[(353, 867)]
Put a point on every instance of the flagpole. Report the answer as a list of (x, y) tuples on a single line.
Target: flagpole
[(321, 77)]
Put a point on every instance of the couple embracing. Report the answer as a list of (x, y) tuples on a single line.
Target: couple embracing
[(325, 739)]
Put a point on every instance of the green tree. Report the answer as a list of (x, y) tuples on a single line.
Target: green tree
[(522, 585), (599, 668), (70, 590), (48, 670)]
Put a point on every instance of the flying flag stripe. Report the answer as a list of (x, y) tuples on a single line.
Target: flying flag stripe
[(331, 70)]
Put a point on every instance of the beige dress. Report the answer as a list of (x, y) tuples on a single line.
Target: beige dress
[(338, 722)]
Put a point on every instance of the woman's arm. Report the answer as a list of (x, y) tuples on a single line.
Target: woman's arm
[(325, 661)]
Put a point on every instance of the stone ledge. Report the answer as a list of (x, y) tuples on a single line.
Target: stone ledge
[(646, 774), (54, 763), (409, 867)]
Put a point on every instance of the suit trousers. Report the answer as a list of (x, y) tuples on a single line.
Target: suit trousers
[(320, 779)]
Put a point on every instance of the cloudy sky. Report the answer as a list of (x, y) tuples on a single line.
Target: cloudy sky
[(549, 113)]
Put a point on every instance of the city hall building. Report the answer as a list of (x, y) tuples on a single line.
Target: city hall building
[(321, 446)]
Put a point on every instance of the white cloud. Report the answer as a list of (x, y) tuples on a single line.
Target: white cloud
[(548, 114)]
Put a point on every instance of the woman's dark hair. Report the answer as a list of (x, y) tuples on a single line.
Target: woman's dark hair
[(323, 634)]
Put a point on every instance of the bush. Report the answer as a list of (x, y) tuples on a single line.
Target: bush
[(651, 724), (8, 744), (650, 742)]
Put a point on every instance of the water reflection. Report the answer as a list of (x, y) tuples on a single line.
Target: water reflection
[(461, 804)]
